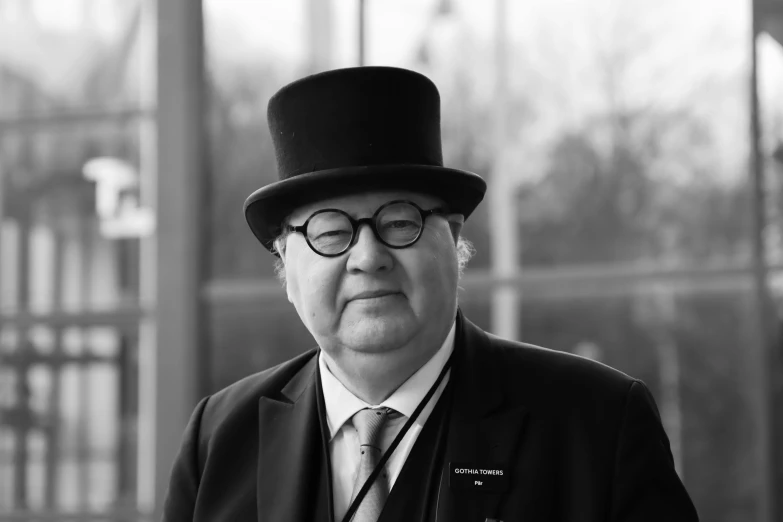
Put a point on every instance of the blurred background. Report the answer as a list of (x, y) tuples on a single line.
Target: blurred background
[(634, 153)]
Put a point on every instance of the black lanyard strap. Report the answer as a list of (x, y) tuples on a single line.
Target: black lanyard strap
[(381, 463)]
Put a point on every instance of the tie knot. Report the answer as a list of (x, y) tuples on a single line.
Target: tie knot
[(369, 425)]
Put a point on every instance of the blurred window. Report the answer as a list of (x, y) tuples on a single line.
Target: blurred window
[(75, 82)]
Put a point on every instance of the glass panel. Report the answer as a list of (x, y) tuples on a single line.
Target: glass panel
[(280, 41), (624, 141), (770, 80), (650, 164), (65, 54), (251, 338), (81, 250), (70, 222), (608, 128), (691, 350)]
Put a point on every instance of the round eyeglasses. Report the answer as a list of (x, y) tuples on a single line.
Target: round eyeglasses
[(330, 232)]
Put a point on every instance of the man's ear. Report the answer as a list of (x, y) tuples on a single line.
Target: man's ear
[(455, 224)]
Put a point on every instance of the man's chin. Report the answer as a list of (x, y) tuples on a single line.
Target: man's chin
[(379, 307), (378, 335)]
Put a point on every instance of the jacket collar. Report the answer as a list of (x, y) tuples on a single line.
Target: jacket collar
[(291, 466)]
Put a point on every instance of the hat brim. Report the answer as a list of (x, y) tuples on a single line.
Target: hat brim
[(266, 208)]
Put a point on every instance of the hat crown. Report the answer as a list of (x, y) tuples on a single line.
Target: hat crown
[(360, 116)]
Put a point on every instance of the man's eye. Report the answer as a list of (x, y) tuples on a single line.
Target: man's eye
[(400, 223), (331, 233)]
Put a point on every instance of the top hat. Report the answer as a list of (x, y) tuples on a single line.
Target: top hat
[(355, 130)]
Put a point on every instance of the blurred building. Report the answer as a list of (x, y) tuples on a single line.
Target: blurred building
[(634, 217)]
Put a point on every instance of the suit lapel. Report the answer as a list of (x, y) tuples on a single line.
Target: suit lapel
[(483, 430), (290, 449)]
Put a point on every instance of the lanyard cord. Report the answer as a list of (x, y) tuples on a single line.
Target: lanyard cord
[(381, 463)]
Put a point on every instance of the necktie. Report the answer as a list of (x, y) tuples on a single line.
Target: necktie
[(369, 426)]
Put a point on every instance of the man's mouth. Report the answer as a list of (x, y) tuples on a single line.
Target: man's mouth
[(372, 294)]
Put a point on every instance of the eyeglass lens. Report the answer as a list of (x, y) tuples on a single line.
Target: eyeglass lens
[(331, 232)]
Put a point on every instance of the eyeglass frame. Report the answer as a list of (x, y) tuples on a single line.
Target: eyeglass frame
[(370, 221)]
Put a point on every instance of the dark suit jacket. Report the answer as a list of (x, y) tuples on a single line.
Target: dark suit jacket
[(582, 442)]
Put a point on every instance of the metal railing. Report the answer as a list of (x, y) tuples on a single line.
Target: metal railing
[(66, 465)]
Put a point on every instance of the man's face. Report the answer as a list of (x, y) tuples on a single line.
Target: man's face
[(419, 283)]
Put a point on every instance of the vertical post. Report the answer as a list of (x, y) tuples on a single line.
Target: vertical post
[(776, 421), (502, 214), (87, 230), (23, 347), (362, 29), (776, 375), (760, 353), (146, 439), (2, 202), (654, 307), (180, 218), (319, 34), (671, 408), (664, 309), (3, 260), (127, 406), (54, 414)]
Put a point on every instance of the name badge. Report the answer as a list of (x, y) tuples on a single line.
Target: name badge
[(478, 477)]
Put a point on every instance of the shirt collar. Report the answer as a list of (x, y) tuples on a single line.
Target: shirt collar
[(341, 404)]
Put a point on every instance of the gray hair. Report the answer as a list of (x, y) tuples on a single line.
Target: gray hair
[(465, 251)]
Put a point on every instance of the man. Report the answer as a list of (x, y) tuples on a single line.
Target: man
[(405, 411)]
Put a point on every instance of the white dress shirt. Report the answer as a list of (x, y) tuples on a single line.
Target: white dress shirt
[(341, 405)]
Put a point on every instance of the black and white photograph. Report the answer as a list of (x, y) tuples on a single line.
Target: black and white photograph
[(391, 260)]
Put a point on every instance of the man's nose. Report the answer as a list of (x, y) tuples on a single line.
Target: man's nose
[(367, 253)]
